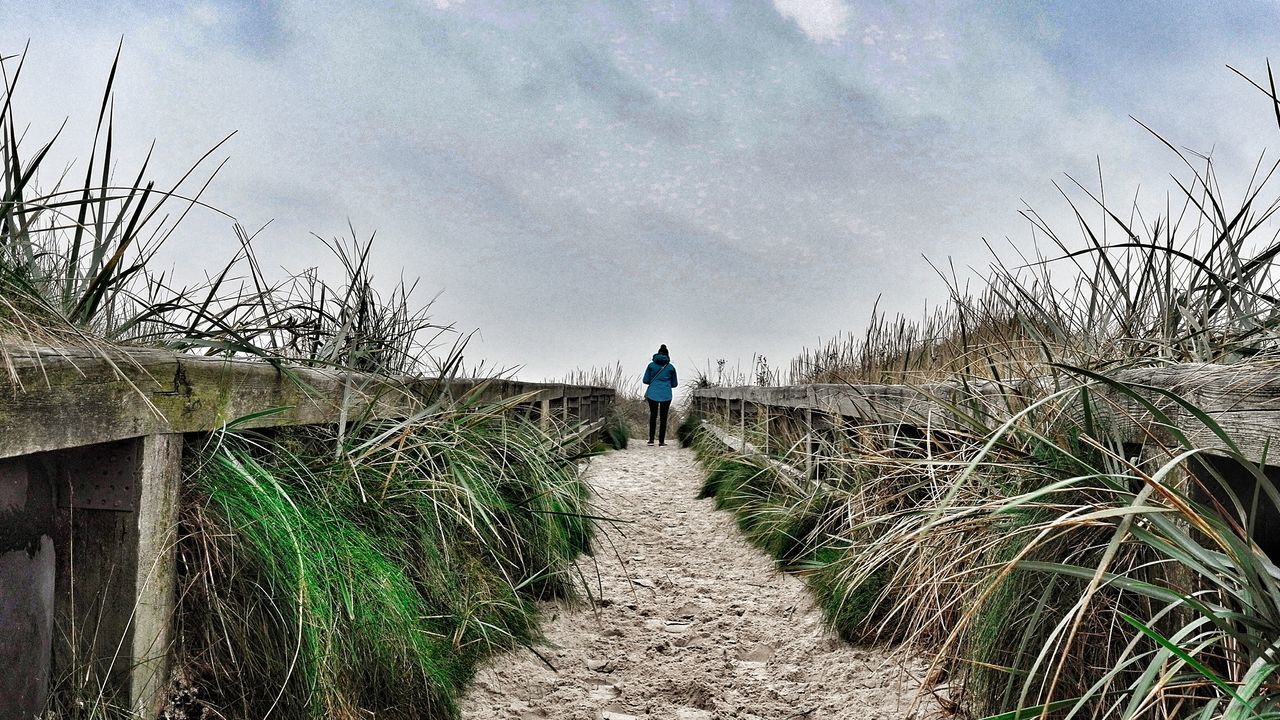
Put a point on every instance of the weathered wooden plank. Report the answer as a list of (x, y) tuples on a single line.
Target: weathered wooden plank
[(54, 398), (741, 446), (1244, 400), (155, 575), (95, 590)]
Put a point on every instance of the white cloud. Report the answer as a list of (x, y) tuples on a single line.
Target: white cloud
[(821, 20), (206, 15)]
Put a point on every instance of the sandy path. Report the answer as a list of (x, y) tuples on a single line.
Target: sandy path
[(698, 626)]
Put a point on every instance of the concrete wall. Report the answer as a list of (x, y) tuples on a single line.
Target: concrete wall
[(27, 566)]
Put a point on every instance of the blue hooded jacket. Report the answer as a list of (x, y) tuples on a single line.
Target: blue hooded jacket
[(660, 376)]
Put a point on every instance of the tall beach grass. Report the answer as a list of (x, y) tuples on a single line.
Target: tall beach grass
[(349, 571), (373, 584), (1051, 567), (77, 264)]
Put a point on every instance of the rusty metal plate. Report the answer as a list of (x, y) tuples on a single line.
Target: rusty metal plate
[(100, 477)]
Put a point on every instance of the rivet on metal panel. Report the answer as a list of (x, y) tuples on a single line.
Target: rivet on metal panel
[(99, 477)]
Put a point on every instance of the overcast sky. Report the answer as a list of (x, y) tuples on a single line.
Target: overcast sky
[(582, 181)]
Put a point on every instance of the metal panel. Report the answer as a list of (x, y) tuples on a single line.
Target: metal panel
[(13, 483), (100, 477)]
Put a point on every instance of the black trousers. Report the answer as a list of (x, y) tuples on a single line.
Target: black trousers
[(658, 413)]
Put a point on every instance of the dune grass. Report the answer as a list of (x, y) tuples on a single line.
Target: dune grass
[(1194, 281), (352, 571), (373, 584), (1040, 564), (1050, 569), (77, 265)]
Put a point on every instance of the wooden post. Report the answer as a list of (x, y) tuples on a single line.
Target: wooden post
[(767, 411), (810, 467), (155, 587), (544, 413)]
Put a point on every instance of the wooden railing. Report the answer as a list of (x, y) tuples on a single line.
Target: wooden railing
[(1229, 414), (90, 470), (1243, 400)]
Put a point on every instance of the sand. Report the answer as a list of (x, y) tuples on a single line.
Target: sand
[(689, 622)]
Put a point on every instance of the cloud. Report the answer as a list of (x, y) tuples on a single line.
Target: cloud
[(821, 20), (587, 179)]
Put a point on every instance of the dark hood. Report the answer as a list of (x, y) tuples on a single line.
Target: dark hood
[(661, 359)]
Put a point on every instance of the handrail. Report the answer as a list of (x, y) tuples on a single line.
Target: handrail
[(1243, 399), (58, 398)]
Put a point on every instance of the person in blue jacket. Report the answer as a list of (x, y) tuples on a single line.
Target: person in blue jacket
[(660, 376)]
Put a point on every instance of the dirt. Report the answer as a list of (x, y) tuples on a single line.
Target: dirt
[(689, 623)]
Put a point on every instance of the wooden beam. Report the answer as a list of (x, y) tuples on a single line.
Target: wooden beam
[(56, 398), (1243, 399)]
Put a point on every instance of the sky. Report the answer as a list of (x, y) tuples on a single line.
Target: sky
[(581, 181)]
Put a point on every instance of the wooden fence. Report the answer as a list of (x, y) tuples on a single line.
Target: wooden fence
[(90, 471), (1244, 400), (1137, 408)]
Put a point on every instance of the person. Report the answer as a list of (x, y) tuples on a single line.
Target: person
[(660, 376)]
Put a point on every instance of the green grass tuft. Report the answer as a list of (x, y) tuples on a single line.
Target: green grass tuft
[(375, 583), (848, 609), (687, 430), (616, 433)]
